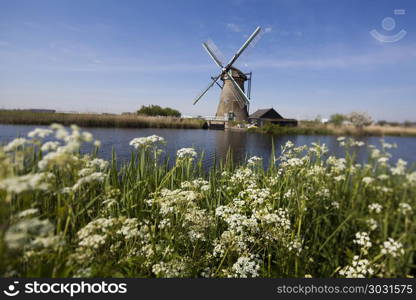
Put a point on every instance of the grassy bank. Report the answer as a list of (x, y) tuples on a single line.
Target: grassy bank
[(306, 214), (96, 120), (313, 128)]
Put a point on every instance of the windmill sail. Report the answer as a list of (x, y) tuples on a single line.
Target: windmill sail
[(213, 50)]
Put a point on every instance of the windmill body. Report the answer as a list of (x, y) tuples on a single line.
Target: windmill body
[(230, 104), (234, 102)]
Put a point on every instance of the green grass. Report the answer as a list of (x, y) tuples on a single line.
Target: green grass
[(296, 217)]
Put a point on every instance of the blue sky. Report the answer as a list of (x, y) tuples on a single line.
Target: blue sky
[(315, 57)]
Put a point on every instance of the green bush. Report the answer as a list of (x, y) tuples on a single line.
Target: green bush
[(337, 119), (156, 110)]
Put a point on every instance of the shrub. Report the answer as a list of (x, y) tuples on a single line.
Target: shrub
[(156, 110), (337, 119)]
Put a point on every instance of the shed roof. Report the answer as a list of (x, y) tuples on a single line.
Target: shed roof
[(270, 112)]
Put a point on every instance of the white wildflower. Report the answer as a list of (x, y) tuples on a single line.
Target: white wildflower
[(392, 248), (335, 204), (28, 182), (372, 224), (146, 142), (50, 146), (16, 143), (383, 160), (21, 235), (246, 266), (400, 167), (411, 178), (359, 268), (405, 208), (295, 246), (375, 207), (368, 180), (339, 178), (186, 153), (254, 160), (27, 213), (39, 132), (363, 239), (383, 177), (98, 163), (94, 177)]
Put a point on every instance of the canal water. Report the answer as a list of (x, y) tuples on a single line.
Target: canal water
[(215, 143)]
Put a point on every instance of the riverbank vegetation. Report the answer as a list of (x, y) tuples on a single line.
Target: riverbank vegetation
[(316, 128), (157, 111), (353, 124), (307, 214), (97, 120), (141, 121)]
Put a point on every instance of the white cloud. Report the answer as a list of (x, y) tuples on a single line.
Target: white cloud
[(233, 27)]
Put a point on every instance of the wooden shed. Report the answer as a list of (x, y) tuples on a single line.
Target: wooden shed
[(269, 115)]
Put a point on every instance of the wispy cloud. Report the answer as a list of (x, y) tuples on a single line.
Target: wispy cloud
[(382, 57), (233, 27), (98, 66)]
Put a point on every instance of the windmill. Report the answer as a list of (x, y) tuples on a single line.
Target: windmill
[(233, 101)]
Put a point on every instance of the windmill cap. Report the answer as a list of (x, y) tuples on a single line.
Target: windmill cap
[(236, 74)]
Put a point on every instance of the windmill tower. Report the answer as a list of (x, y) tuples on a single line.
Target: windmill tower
[(233, 100), (231, 103)]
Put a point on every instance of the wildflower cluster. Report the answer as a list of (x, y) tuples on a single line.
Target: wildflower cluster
[(69, 213), (147, 142), (186, 154)]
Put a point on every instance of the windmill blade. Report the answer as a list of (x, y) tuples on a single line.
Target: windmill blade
[(206, 90), (214, 48), (240, 92), (212, 53), (235, 57), (249, 50), (258, 37)]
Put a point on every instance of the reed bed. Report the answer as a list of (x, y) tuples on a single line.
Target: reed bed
[(96, 120), (306, 214)]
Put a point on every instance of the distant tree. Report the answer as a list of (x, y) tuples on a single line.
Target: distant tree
[(360, 119), (337, 119), (382, 123), (156, 110)]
